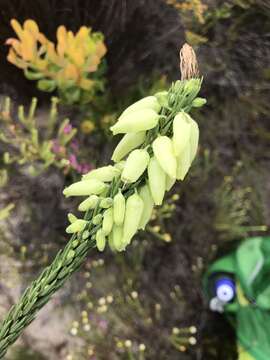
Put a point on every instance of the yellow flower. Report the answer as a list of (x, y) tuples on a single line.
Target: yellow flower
[(68, 63), (87, 126)]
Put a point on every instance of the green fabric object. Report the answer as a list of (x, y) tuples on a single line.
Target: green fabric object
[(249, 311)]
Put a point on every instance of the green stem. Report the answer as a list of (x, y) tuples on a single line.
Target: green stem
[(66, 262)]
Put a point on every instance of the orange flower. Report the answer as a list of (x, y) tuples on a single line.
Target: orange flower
[(70, 62)]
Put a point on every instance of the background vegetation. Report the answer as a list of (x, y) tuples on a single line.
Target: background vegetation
[(146, 303)]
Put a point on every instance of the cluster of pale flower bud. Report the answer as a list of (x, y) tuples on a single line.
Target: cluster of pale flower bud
[(143, 170)]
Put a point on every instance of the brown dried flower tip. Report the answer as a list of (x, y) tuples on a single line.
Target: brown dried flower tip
[(188, 63)]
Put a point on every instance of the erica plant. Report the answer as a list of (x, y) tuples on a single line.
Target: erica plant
[(158, 147)]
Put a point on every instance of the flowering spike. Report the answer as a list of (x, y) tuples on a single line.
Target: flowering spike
[(136, 197)]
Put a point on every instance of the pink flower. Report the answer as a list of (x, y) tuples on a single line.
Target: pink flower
[(67, 129), (81, 168), (73, 161), (86, 168)]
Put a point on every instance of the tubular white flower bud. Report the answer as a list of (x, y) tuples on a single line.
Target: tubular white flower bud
[(183, 163), (194, 139), (148, 205), (157, 181), (163, 150), (135, 165), (134, 209), (149, 102), (107, 223), (100, 240), (105, 173), (181, 132), (117, 238), (84, 188), (169, 183), (128, 143), (89, 203), (76, 226), (136, 121), (119, 207)]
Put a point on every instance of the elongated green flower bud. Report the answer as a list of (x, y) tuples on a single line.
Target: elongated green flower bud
[(128, 143), (169, 183), (76, 226), (105, 173), (84, 188), (119, 207), (192, 86), (163, 150), (89, 203), (181, 132), (148, 205), (194, 139), (183, 163), (106, 203), (134, 210), (198, 102), (97, 219), (117, 237), (157, 181), (136, 121), (100, 240), (135, 165), (149, 102), (71, 218), (162, 97), (107, 223)]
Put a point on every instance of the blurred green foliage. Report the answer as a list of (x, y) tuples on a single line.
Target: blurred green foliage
[(25, 142), (22, 352)]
